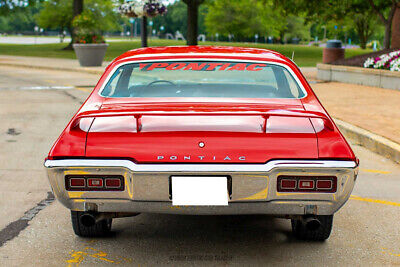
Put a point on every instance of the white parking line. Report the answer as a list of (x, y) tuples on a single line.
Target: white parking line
[(39, 88), (46, 88)]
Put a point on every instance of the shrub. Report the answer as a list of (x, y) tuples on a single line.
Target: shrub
[(86, 31), (390, 61)]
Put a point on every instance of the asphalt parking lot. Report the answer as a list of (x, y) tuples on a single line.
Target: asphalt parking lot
[(35, 230)]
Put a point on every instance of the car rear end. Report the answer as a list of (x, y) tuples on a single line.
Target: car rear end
[(203, 136), (280, 187)]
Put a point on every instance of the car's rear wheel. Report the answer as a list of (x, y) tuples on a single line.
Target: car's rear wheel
[(312, 230), (101, 228)]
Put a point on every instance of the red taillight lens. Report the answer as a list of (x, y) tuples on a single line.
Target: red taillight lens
[(288, 184), (317, 184), (324, 184), (94, 183), (77, 182), (113, 183)]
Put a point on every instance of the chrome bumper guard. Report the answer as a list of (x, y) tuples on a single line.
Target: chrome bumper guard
[(254, 186)]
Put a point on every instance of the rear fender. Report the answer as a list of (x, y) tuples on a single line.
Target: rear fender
[(72, 142), (331, 144)]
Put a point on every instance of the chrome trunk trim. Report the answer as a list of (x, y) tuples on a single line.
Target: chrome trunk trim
[(166, 167)]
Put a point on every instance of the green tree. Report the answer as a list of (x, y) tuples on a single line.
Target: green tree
[(174, 20), (21, 20), (58, 15), (8, 7), (364, 25), (296, 28), (246, 18), (362, 12), (284, 14), (238, 17), (385, 10), (4, 26)]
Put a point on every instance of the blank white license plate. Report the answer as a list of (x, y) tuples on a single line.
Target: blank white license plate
[(199, 191)]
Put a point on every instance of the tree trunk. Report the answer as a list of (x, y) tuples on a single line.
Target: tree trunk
[(192, 20), (396, 29), (69, 46), (143, 31), (386, 21), (192, 23), (282, 37), (77, 9), (363, 28), (386, 39), (362, 35)]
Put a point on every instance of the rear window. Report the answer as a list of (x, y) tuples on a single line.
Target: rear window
[(202, 79)]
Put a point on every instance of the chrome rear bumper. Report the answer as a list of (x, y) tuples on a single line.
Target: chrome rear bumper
[(254, 186)]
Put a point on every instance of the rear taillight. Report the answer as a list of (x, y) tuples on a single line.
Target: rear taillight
[(94, 183), (77, 182), (113, 183), (317, 184)]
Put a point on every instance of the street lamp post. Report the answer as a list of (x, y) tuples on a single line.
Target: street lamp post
[(143, 31), (36, 32), (143, 9), (132, 21), (135, 28)]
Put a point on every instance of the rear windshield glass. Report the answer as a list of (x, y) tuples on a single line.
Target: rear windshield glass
[(202, 79)]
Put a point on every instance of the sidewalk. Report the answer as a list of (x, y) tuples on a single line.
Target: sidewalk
[(374, 109), (49, 63)]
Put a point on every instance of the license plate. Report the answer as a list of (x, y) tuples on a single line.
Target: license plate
[(199, 191)]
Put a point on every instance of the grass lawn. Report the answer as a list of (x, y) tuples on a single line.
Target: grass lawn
[(304, 56)]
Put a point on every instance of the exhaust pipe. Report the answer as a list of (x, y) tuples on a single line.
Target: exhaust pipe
[(89, 219), (312, 223)]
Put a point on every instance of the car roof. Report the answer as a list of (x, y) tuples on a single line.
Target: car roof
[(228, 51)]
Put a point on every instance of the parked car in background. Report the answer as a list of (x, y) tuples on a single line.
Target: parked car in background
[(202, 130)]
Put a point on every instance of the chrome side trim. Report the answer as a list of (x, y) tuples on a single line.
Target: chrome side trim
[(200, 167)]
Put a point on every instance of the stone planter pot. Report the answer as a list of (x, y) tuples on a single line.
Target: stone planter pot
[(90, 55)]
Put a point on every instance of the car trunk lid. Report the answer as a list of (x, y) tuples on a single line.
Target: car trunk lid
[(210, 134)]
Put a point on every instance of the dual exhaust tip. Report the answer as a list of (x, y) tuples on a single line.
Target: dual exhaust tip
[(88, 219), (312, 223)]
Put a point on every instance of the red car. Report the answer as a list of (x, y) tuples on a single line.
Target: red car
[(202, 130)]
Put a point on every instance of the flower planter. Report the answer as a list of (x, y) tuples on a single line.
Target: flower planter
[(90, 55), (363, 76)]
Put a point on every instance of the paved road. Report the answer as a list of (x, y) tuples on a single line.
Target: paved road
[(32, 40), (366, 231)]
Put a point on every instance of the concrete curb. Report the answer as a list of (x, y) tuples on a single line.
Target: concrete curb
[(78, 69), (371, 141)]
